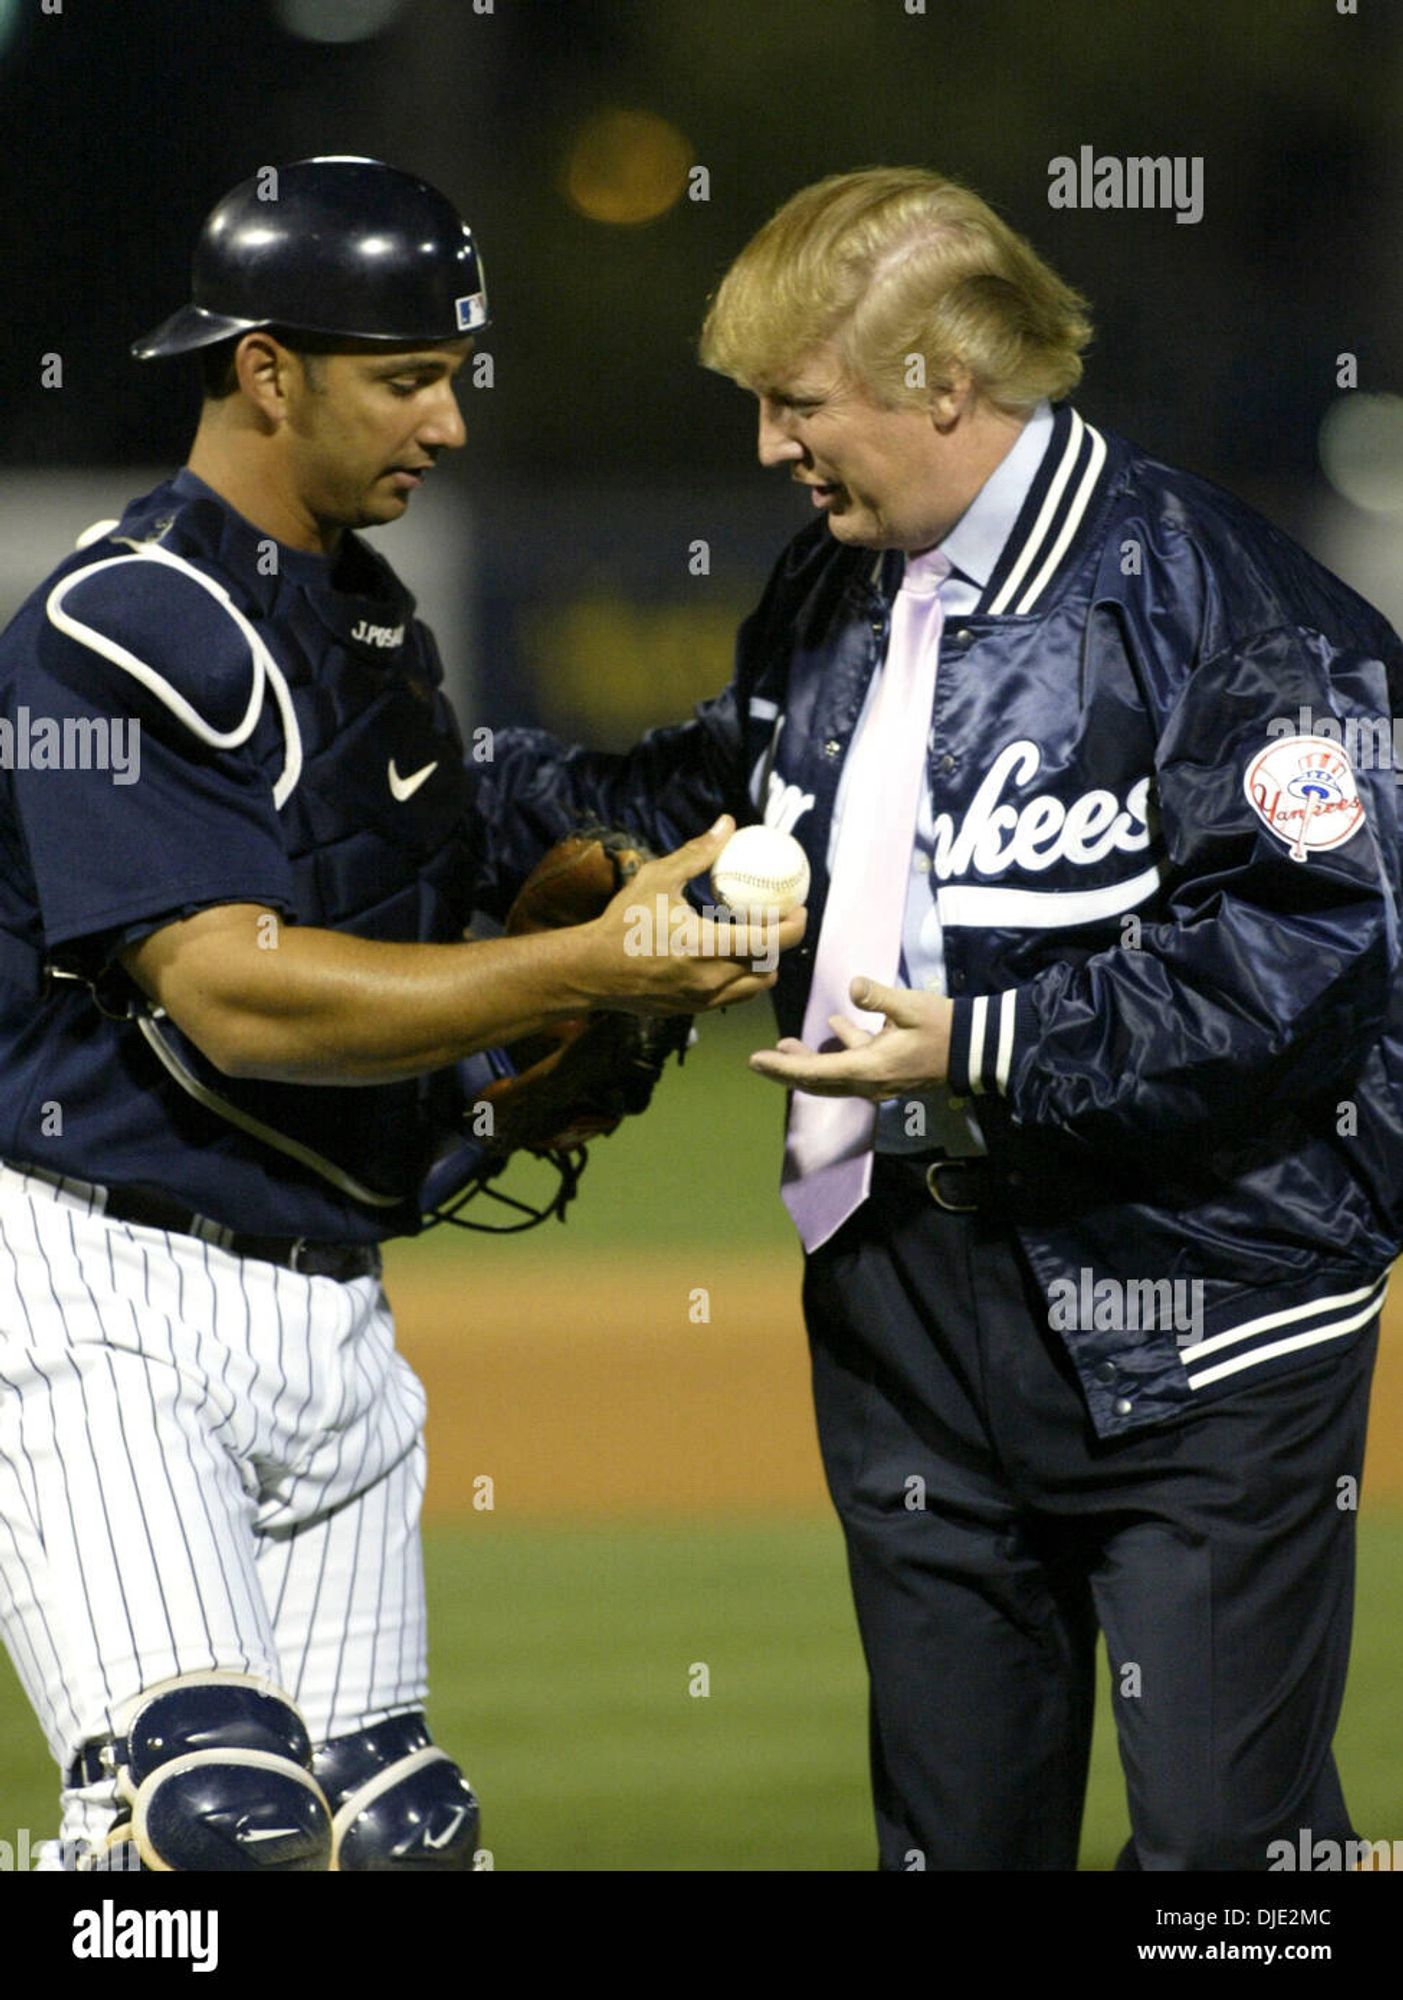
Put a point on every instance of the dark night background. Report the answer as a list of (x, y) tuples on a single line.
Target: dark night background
[(602, 448), (643, 1460)]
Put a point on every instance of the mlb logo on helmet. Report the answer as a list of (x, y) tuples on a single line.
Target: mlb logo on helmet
[(1302, 788), (472, 308)]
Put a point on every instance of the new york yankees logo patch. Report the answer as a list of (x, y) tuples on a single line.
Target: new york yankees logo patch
[(1302, 789)]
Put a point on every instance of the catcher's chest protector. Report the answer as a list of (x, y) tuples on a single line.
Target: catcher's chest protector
[(373, 851), (363, 752)]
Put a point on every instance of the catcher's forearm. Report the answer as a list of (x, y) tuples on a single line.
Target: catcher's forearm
[(266, 999)]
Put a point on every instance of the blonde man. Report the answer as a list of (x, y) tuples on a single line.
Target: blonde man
[(1093, 1140)]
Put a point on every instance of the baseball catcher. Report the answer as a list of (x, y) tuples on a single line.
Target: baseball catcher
[(250, 972)]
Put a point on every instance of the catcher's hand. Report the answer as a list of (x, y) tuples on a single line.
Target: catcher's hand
[(659, 955), (578, 1079)]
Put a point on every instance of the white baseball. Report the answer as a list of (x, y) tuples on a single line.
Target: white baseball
[(760, 870)]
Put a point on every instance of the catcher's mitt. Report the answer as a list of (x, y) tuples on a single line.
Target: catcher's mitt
[(579, 1079)]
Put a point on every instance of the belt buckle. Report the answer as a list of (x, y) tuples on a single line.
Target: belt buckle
[(933, 1189)]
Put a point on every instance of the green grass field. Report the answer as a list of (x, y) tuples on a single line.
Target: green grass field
[(562, 1660), (562, 1652), (701, 1169)]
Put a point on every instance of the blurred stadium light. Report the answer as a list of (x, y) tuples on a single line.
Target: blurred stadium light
[(1356, 527), (336, 20), (626, 167), (1361, 450)]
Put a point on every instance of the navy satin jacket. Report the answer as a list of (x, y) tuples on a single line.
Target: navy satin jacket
[(1169, 903)]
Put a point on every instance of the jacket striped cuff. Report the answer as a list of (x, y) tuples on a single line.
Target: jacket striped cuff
[(1248, 1343), (983, 1043)]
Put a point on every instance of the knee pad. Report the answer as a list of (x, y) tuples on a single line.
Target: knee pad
[(400, 1804), (216, 1771)]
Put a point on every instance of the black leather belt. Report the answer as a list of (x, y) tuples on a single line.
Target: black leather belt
[(959, 1186), (150, 1209)]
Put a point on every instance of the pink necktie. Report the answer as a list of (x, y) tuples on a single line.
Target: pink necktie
[(828, 1153)]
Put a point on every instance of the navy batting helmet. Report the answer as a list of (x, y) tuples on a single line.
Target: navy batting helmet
[(331, 246)]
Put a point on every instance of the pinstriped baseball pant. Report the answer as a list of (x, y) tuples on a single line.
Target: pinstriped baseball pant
[(205, 1462)]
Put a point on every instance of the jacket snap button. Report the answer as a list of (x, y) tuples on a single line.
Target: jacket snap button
[(1123, 1406), (832, 747), (1106, 1372)]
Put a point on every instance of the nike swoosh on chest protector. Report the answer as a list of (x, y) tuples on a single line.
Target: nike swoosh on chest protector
[(405, 788)]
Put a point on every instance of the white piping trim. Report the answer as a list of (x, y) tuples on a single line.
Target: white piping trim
[(1041, 909), (1072, 522), (266, 671), (202, 1760), (1045, 513), (978, 1018), (763, 708), (1335, 1331), (99, 531), (1266, 1321), (1003, 1061), (374, 1788), (343, 1182)]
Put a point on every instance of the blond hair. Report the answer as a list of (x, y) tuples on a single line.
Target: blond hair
[(889, 264)]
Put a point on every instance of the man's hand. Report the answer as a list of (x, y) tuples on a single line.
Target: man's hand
[(655, 955), (910, 1052), (294, 1004)]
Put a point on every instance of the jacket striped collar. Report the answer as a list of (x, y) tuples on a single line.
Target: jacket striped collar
[(1050, 521), (1050, 527)]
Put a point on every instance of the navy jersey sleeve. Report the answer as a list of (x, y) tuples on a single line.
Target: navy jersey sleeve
[(666, 790), (1268, 973), (136, 788)]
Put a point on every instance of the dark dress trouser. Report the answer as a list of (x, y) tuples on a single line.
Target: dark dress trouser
[(989, 1533)]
